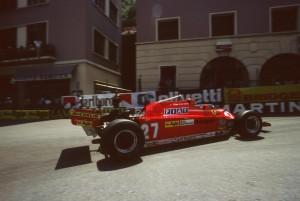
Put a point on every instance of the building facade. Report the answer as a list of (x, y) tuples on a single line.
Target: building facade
[(213, 44), (58, 47)]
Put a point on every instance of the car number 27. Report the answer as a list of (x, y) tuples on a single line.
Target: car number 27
[(146, 129)]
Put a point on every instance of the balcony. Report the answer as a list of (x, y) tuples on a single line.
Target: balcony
[(12, 56)]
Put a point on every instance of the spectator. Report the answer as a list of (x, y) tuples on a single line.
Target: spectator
[(67, 106), (48, 102), (27, 103), (41, 101), (8, 102)]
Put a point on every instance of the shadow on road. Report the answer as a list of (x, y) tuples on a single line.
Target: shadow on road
[(74, 157), (183, 145), (257, 138), (109, 164)]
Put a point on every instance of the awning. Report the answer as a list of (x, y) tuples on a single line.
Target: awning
[(109, 87), (39, 73)]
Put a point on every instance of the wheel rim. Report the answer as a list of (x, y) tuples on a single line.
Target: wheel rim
[(125, 141), (252, 124)]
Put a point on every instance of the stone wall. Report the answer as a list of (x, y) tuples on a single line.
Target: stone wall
[(85, 75), (191, 56)]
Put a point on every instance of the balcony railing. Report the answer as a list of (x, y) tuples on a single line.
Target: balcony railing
[(12, 55)]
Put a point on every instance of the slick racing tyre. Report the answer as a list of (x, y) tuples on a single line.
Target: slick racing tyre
[(249, 124), (123, 139)]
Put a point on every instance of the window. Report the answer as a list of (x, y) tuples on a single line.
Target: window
[(113, 13), (37, 32), (167, 78), (168, 29), (222, 24), (284, 18), (100, 4), (8, 38), (113, 52), (99, 43), (36, 2)]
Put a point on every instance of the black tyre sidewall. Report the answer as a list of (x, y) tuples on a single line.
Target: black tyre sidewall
[(110, 133), (241, 127)]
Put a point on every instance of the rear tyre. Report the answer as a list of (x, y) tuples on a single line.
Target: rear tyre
[(123, 139), (249, 124)]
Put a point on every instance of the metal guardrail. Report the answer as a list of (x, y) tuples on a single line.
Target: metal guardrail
[(14, 115)]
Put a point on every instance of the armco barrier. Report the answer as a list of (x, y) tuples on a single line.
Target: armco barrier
[(278, 93), (291, 108), (31, 115), (267, 100)]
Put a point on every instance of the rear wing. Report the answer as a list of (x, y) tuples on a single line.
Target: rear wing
[(92, 117)]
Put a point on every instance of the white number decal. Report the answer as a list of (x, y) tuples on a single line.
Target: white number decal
[(145, 129), (155, 127)]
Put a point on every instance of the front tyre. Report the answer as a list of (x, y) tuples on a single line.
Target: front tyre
[(123, 139), (249, 124)]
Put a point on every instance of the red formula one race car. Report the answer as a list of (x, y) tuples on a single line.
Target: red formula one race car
[(124, 134)]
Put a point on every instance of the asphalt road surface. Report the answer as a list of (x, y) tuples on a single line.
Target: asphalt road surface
[(53, 160)]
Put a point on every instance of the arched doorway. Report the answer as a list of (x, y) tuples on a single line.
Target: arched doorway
[(224, 72), (281, 69)]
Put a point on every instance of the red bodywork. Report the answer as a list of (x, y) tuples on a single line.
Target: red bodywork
[(167, 122), (181, 121)]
